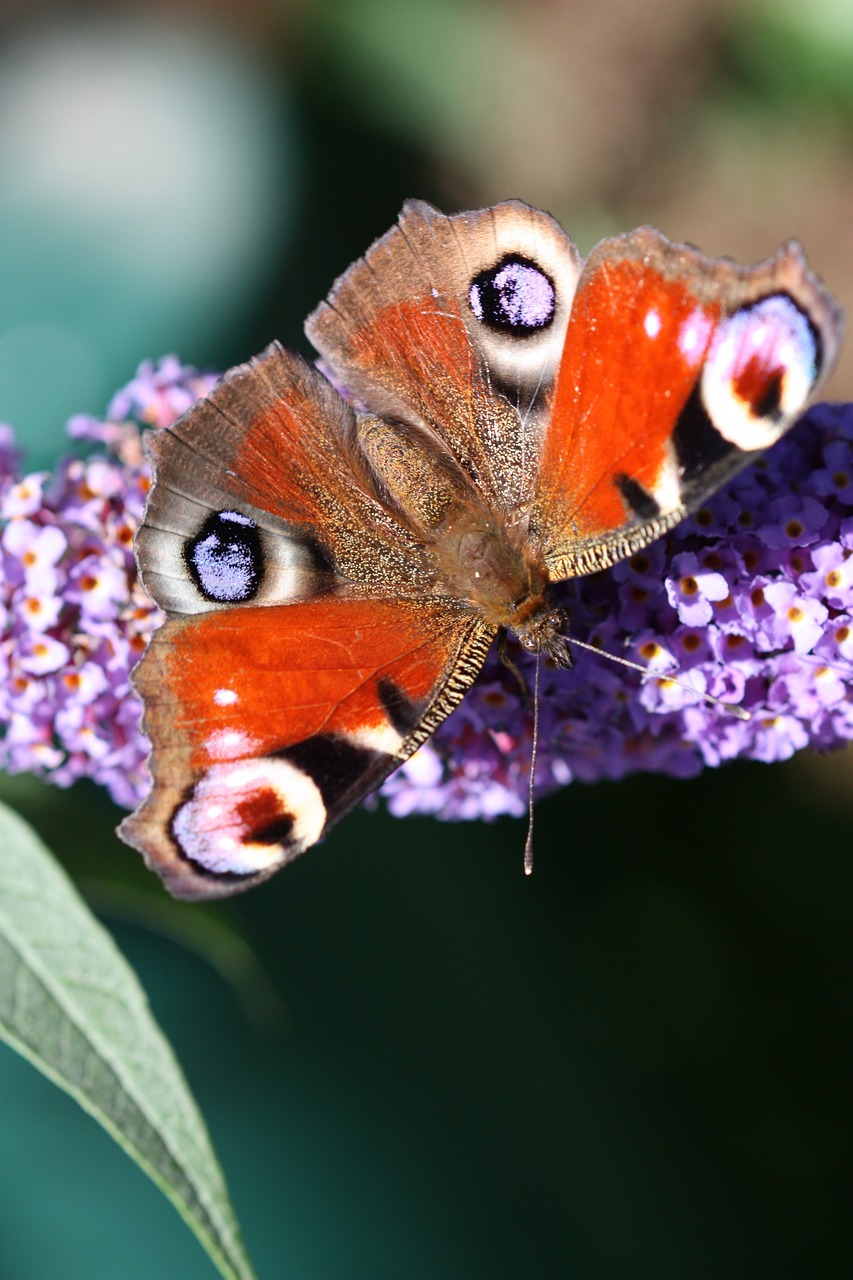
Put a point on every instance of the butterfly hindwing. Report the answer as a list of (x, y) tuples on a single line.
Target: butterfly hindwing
[(457, 324), (262, 495)]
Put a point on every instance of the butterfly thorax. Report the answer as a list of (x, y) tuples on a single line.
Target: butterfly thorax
[(491, 564), (479, 555)]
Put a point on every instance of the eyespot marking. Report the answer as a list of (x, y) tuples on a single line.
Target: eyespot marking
[(225, 558), (515, 297), (248, 816), (762, 363), (331, 761), (693, 336)]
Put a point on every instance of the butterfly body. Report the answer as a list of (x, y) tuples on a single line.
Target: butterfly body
[(335, 560)]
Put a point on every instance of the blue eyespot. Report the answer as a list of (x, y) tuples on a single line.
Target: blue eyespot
[(761, 365), (515, 297), (225, 558)]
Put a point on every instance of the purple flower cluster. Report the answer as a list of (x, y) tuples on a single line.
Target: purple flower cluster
[(73, 618), (751, 601)]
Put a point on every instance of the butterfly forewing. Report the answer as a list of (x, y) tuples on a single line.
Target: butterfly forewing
[(676, 371), (269, 723)]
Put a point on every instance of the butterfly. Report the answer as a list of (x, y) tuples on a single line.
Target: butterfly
[(336, 554)]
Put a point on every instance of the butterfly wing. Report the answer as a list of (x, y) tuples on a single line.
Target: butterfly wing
[(262, 495), (305, 659), (456, 324), (676, 371), (268, 724)]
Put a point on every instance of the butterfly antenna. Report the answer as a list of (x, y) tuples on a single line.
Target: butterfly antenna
[(528, 844), (733, 709)]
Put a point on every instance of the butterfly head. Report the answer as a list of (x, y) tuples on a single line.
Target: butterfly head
[(544, 633)]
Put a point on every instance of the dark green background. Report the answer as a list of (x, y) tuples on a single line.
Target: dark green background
[(635, 1064)]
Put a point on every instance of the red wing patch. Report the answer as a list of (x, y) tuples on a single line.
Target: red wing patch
[(275, 435), (268, 724), (676, 370), (634, 349)]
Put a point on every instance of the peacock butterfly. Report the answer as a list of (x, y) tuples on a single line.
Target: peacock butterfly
[(336, 566)]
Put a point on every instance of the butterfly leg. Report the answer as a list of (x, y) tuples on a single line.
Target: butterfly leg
[(514, 668)]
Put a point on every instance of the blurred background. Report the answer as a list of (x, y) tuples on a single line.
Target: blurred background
[(413, 1061)]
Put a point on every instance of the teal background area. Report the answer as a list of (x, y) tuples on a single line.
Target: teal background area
[(414, 1062), (149, 179), (635, 1064)]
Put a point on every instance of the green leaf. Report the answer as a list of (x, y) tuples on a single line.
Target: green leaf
[(70, 1003)]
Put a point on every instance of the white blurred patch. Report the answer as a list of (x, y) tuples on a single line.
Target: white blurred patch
[(145, 170)]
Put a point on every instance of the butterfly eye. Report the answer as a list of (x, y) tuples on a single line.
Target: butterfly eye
[(761, 366), (515, 297), (225, 557)]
